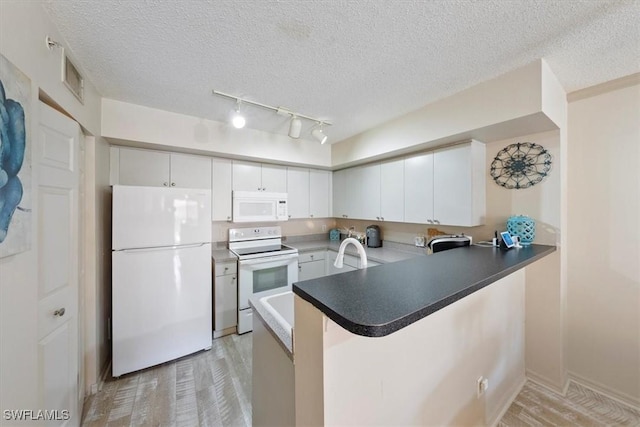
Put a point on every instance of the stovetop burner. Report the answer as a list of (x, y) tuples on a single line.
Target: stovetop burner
[(258, 242)]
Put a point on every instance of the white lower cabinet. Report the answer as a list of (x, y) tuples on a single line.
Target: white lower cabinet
[(311, 265), (225, 302), (349, 263)]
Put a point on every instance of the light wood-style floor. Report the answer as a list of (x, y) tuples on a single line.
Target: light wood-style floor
[(209, 388), (213, 388)]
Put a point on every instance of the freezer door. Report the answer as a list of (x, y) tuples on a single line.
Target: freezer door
[(154, 216), (161, 305)]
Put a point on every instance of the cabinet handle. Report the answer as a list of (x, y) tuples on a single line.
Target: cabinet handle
[(311, 256), (228, 218), (429, 221), (289, 216), (166, 184), (299, 267), (226, 268), (59, 312), (382, 218), (233, 278), (377, 217), (173, 184), (311, 216), (435, 221)]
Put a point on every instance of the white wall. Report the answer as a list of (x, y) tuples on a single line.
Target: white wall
[(23, 28), (137, 124), (604, 234), (423, 374)]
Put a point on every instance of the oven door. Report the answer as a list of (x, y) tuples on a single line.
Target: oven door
[(264, 276)]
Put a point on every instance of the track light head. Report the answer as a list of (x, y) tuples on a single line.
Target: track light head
[(319, 134), (238, 119), (295, 127)]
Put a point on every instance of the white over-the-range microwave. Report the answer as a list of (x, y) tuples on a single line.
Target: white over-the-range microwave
[(259, 206)]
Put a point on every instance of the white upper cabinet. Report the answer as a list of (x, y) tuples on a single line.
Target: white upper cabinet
[(319, 193), (418, 189), (392, 191), (446, 186), (370, 176), (143, 167), (380, 194), (221, 189), (309, 192), (274, 178), (347, 193), (459, 185), (190, 171), (251, 176), (298, 190), (161, 169)]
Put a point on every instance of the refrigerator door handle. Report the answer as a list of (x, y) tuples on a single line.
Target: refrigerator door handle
[(161, 248)]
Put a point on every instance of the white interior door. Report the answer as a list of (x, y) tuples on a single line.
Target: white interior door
[(57, 164)]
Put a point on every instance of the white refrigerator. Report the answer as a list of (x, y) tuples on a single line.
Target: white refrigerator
[(161, 275)]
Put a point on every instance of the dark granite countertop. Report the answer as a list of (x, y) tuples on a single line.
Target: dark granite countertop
[(380, 300)]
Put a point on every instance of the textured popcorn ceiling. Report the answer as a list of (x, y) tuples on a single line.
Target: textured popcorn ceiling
[(355, 63)]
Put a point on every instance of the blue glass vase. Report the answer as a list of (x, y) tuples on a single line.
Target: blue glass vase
[(523, 227)]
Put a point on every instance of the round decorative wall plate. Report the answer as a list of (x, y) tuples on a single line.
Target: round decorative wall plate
[(520, 165)]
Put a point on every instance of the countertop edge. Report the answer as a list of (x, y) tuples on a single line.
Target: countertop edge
[(284, 339), (395, 325)]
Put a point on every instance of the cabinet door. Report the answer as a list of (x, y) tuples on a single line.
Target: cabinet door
[(298, 189), (247, 176), (274, 178), (452, 188), (311, 270), (370, 191), (354, 193), (392, 191), (319, 193), (190, 171), (418, 189), (226, 302), (459, 185), (221, 189), (144, 167), (339, 193)]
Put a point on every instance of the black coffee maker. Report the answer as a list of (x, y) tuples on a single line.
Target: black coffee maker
[(374, 237)]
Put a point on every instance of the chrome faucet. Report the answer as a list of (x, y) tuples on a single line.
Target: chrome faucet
[(359, 247)]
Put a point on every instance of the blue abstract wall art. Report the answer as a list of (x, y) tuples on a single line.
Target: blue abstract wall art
[(15, 165)]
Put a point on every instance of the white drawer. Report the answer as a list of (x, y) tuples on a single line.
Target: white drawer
[(311, 256), (224, 268)]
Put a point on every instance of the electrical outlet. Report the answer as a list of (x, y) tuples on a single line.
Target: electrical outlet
[(482, 386)]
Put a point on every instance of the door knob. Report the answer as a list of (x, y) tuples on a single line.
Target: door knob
[(166, 184), (59, 312), (173, 184)]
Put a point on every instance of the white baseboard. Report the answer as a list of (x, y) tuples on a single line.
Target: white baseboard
[(545, 382), (508, 403), (95, 388), (223, 332), (606, 391)]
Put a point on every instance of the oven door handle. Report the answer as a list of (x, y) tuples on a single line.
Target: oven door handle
[(255, 261)]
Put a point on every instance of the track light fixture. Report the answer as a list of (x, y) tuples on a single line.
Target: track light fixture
[(295, 125), (238, 119), (319, 134)]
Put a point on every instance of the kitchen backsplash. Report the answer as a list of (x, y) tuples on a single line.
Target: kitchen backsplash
[(293, 227)]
